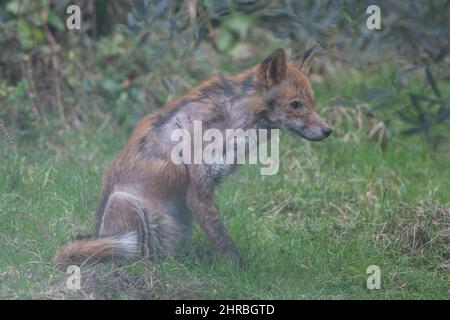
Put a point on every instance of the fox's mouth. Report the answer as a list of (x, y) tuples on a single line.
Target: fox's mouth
[(310, 133)]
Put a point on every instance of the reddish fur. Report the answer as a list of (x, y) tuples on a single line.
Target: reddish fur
[(143, 183), (79, 251)]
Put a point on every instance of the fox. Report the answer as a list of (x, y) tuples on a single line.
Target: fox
[(148, 203)]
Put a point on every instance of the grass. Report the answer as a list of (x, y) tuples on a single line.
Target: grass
[(309, 232)]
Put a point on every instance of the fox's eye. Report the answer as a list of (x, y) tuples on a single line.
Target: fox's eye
[(296, 104)]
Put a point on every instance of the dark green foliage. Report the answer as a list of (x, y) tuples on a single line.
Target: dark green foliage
[(124, 44)]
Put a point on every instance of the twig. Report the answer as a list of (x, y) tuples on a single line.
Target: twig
[(55, 48)]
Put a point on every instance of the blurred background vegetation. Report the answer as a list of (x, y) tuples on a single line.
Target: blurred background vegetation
[(132, 56), (376, 192)]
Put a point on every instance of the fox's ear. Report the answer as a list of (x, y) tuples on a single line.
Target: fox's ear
[(303, 62), (273, 69)]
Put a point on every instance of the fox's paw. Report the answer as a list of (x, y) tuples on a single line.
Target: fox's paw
[(232, 254)]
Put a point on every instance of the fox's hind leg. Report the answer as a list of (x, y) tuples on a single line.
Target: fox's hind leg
[(124, 213), (158, 232)]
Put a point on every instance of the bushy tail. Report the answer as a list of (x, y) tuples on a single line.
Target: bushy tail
[(97, 249)]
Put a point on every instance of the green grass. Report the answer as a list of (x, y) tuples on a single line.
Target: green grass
[(309, 232)]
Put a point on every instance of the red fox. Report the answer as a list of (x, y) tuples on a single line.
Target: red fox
[(147, 202)]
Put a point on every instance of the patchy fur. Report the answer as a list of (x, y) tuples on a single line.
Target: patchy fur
[(145, 194)]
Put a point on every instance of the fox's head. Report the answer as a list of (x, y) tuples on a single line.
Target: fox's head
[(290, 97)]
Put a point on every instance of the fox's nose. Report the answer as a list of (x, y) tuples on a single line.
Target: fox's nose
[(326, 131)]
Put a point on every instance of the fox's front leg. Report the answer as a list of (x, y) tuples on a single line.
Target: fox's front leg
[(203, 206)]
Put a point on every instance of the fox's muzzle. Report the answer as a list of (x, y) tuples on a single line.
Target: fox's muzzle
[(312, 134)]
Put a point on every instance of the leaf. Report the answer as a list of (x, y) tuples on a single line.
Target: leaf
[(140, 5), (442, 115), (29, 35), (168, 85), (422, 98), (224, 40), (432, 82), (131, 20), (239, 24), (55, 21), (109, 85), (375, 93), (200, 37), (407, 117), (159, 10), (416, 104), (16, 7), (159, 53)]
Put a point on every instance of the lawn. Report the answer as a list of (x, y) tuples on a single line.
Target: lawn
[(309, 232)]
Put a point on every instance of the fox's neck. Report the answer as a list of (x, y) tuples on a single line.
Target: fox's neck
[(240, 95), (250, 96)]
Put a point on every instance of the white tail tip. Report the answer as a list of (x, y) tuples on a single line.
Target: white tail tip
[(127, 245)]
